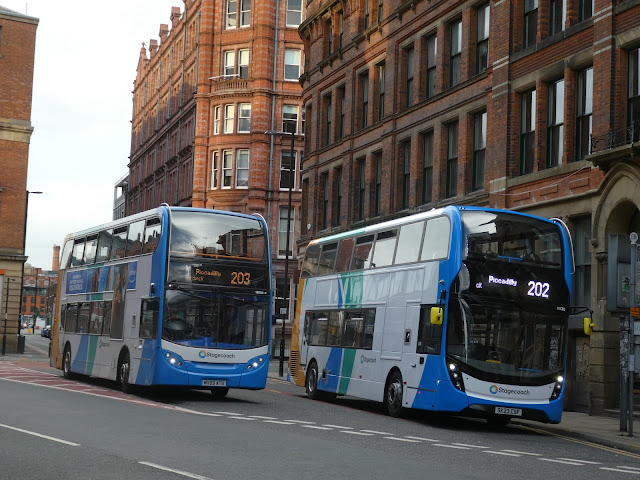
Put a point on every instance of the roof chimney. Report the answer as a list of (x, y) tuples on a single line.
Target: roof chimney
[(56, 258)]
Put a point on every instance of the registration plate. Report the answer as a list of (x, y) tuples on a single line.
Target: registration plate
[(214, 383), (514, 412)]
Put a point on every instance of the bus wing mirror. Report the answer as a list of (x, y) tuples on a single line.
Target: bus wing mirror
[(588, 326), (436, 315)]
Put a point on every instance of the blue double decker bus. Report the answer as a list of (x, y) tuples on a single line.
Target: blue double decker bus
[(171, 296)]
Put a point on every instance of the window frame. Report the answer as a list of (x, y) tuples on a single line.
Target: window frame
[(242, 155)]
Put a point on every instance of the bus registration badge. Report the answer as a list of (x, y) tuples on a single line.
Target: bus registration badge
[(214, 383), (514, 412)]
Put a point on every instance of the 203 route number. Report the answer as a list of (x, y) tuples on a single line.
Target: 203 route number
[(538, 289), (240, 278)]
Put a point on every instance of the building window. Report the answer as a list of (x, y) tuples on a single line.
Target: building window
[(328, 29), (452, 160), (479, 148), (364, 101), (405, 153), (291, 64), (558, 16), (286, 223), (325, 199), (242, 168), (243, 63), (294, 13), (327, 119), (229, 64), (585, 9), (290, 119), (338, 189), (456, 53), (227, 168), (427, 167), (633, 108), (245, 13), (215, 170), (482, 45), (342, 99), (432, 46), (381, 77), (530, 26), (585, 112), (377, 193), (232, 15), (555, 124), (527, 132), (287, 170), (340, 29), (362, 178), (216, 120), (582, 277), (366, 8), (380, 5), (409, 63), (244, 118), (229, 118), (302, 122)]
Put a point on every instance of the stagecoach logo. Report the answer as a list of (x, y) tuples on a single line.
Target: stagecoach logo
[(205, 354), (101, 344), (493, 389), (507, 391), (202, 354), (364, 359)]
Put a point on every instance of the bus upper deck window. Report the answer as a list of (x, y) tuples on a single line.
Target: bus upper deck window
[(104, 245), (77, 254), (118, 242), (409, 242), (151, 235), (134, 239), (344, 255), (436, 239), (362, 252), (311, 259), (90, 249), (327, 258), (66, 254), (384, 249)]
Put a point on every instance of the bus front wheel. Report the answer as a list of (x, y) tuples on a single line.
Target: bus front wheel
[(393, 395), (219, 392), (311, 382)]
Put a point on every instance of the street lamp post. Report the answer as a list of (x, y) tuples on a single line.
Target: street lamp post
[(24, 252), (287, 285)]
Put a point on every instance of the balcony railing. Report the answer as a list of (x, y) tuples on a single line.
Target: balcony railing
[(615, 138)]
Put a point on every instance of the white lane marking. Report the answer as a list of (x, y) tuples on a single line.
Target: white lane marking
[(316, 427), (242, 418), (46, 437), (450, 446), (523, 453), (279, 422), (630, 468), (231, 413), (408, 440), (376, 432), (300, 421), (561, 461), (195, 412), (620, 470), (173, 470), (470, 446), (581, 461), (422, 439), (364, 434), (260, 417), (339, 427), (502, 453)]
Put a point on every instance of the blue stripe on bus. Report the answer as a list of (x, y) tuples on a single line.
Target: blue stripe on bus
[(147, 363), (329, 381), (80, 361)]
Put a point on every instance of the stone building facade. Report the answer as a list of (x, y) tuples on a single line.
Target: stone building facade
[(223, 73), (526, 105), (17, 51)]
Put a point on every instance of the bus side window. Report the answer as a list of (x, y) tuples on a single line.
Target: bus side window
[(118, 243), (90, 249), (345, 250), (149, 318), (66, 254), (353, 330), (429, 336), (369, 324), (334, 338), (436, 239), (106, 318), (77, 255), (362, 253), (104, 245), (310, 264), (84, 312), (95, 319), (409, 242), (134, 239), (151, 235), (71, 318), (63, 317), (318, 329), (385, 248), (327, 258)]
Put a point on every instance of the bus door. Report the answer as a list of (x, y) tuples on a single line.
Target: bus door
[(412, 361)]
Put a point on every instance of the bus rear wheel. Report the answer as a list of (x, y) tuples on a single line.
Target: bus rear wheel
[(123, 373), (219, 392), (66, 363), (311, 382), (393, 395)]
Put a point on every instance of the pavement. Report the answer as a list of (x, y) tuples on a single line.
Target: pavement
[(599, 429)]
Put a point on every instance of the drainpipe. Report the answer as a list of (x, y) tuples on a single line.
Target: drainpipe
[(273, 111)]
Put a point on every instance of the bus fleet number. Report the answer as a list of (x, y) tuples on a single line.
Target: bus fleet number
[(240, 278), (538, 289)]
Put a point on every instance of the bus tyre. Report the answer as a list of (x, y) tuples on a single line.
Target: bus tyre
[(219, 392), (123, 373), (66, 363), (311, 382), (393, 395)]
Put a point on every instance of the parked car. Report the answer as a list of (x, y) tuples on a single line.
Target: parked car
[(46, 331)]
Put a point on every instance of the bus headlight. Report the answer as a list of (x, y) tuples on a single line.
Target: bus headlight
[(557, 387), (173, 359), (456, 376), (255, 363)]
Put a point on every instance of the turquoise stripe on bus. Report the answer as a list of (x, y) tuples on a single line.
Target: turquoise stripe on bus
[(348, 358), (353, 289)]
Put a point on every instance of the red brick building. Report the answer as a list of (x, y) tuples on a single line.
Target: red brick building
[(224, 73), (531, 105), (17, 50), (35, 291)]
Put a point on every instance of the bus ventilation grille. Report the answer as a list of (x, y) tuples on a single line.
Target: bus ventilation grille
[(294, 362)]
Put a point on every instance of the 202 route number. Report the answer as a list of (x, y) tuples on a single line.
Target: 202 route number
[(240, 278), (538, 289)]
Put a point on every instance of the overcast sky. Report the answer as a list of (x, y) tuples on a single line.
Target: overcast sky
[(85, 65)]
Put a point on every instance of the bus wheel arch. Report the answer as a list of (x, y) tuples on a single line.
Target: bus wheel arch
[(124, 369), (394, 393), (66, 361)]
